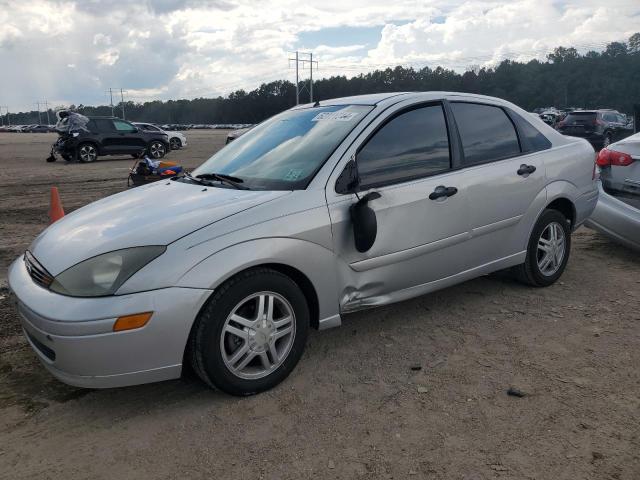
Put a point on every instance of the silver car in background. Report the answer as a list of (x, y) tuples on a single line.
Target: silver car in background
[(617, 214), (324, 209), (177, 140)]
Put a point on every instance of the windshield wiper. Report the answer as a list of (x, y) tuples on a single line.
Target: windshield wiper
[(188, 176), (221, 177)]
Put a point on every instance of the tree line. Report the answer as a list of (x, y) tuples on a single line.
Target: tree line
[(566, 79)]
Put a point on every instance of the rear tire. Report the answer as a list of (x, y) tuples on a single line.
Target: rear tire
[(87, 152), (251, 333), (157, 150), (548, 250), (175, 143)]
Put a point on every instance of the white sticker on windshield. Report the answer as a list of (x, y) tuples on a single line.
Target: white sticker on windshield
[(335, 116), (293, 175)]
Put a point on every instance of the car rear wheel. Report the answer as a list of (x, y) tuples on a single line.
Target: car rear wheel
[(548, 250), (175, 143), (157, 150), (87, 152), (251, 333)]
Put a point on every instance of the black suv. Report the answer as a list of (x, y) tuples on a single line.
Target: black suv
[(599, 127), (108, 136)]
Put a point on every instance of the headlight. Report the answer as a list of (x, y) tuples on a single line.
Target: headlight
[(104, 275)]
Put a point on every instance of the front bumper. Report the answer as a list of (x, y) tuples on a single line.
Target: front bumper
[(73, 337)]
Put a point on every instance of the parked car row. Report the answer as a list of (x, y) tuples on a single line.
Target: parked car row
[(192, 126), (35, 128)]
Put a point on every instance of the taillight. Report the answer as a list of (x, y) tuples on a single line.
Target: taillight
[(597, 121), (608, 157)]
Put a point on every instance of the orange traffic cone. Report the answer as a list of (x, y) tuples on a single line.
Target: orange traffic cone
[(55, 208)]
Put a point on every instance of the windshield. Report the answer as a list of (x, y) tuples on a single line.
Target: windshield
[(285, 152)]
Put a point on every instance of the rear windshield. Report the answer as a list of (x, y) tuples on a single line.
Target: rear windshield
[(285, 152), (580, 118)]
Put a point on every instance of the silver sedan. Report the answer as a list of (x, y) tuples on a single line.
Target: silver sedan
[(617, 214), (324, 209)]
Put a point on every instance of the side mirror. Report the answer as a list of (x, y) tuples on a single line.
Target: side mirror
[(365, 224), (349, 180)]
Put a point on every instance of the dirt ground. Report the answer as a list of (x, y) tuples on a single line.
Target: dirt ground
[(414, 390)]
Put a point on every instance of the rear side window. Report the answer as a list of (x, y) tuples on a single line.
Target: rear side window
[(486, 131), (412, 145), (531, 139), (103, 125)]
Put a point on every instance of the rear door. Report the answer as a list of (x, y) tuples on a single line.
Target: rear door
[(503, 175)]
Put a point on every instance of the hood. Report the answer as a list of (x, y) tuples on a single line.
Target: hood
[(155, 214)]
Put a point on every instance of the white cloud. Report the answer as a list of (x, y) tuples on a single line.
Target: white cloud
[(187, 48)]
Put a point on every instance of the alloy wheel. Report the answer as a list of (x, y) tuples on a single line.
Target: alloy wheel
[(175, 144), (87, 153), (551, 249), (257, 335), (157, 150)]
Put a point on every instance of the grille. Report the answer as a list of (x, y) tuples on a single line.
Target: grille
[(37, 272)]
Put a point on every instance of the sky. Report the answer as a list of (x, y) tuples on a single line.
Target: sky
[(72, 52)]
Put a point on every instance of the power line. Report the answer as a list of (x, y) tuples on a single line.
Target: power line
[(310, 61)]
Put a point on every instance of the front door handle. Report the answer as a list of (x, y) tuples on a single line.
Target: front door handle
[(526, 169), (442, 191)]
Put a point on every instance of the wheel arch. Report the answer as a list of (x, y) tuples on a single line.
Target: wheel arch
[(564, 206), (91, 142), (311, 266)]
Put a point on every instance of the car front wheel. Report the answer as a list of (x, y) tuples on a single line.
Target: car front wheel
[(548, 250), (157, 150), (251, 333)]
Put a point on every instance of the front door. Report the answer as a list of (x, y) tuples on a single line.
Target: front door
[(128, 138), (421, 213)]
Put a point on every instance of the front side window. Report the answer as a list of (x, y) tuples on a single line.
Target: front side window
[(285, 151), (414, 144), (486, 131), (123, 126)]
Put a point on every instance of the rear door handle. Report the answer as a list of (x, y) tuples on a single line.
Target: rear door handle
[(526, 169), (442, 191)]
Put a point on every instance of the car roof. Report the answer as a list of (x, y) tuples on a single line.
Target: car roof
[(393, 97)]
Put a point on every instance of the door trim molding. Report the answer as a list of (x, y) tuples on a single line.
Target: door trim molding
[(409, 253), (492, 227)]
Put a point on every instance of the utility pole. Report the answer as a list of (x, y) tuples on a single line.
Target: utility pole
[(297, 85), (111, 100), (39, 116), (122, 102), (304, 61), (311, 77), (46, 106)]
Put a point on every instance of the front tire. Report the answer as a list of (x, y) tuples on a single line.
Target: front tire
[(251, 333), (548, 250)]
